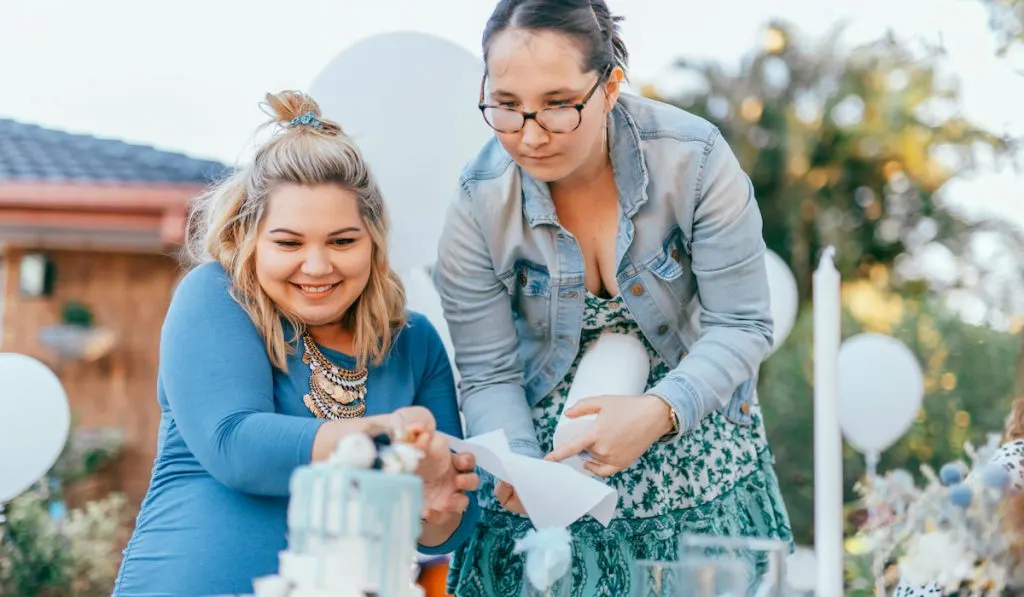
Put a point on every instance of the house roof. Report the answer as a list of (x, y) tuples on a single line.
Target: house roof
[(30, 153), (64, 190)]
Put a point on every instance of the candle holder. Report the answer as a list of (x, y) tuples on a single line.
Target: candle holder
[(694, 577), (560, 587), (762, 561)]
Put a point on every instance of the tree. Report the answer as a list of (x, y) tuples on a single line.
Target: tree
[(844, 149), (852, 149)]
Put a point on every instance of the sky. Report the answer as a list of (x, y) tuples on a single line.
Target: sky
[(188, 75)]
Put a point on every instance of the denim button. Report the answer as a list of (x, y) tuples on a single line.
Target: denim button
[(522, 278), (637, 289), (662, 328)]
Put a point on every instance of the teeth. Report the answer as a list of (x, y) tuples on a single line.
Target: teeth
[(315, 289)]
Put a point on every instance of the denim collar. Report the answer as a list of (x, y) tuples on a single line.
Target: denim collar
[(631, 176)]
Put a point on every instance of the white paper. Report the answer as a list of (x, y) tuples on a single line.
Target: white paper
[(614, 365), (552, 493)]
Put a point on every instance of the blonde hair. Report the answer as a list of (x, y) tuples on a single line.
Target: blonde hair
[(225, 220)]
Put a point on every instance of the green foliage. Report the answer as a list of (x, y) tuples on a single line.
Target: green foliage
[(44, 552), (968, 374), (847, 148), (33, 556), (75, 313)]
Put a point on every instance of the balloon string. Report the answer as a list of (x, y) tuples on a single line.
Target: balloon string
[(871, 466)]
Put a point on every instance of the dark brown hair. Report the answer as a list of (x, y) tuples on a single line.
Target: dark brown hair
[(589, 23)]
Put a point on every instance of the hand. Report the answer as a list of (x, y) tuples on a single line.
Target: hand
[(408, 416), (508, 498), (625, 428), (446, 477)]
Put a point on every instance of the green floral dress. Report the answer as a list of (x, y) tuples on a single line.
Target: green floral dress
[(716, 480)]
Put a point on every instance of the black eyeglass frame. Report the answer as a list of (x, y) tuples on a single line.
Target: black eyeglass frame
[(533, 115)]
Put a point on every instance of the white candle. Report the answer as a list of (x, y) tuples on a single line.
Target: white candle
[(828, 442)]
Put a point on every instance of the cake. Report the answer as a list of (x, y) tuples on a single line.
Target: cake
[(353, 524)]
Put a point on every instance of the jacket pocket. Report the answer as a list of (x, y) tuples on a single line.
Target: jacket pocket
[(529, 286), (669, 266)]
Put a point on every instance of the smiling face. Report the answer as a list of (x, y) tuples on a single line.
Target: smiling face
[(533, 70), (313, 251)]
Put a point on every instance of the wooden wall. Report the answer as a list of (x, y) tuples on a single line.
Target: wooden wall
[(128, 293)]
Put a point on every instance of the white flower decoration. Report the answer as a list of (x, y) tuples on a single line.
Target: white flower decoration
[(356, 450)]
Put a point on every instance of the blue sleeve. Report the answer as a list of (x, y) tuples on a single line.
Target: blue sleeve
[(436, 393), (218, 383)]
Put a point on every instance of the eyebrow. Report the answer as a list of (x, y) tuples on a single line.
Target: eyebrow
[(335, 233), (559, 91)]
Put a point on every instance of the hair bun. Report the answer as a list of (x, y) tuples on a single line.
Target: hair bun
[(289, 109)]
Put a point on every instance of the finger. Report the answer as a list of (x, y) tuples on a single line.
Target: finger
[(601, 469), (587, 406), (467, 482), (457, 502), (422, 442), (464, 462), (515, 505), (438, 444), (570, 449), (503, 491)]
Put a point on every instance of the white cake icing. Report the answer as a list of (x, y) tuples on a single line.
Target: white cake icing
[(352, 530)]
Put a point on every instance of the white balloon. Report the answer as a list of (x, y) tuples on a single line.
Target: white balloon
[(409, 100), (421, 296), (34, 422), (881, 388), (783, 296)]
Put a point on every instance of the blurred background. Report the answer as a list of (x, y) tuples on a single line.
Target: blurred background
[(889, 129)]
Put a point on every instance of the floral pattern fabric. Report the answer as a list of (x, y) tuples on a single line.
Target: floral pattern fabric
[(716, 480)]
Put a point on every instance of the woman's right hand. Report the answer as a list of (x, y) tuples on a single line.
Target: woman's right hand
[(508, 498)]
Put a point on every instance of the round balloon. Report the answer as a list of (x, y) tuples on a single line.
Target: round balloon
[(409, 100), (881, 389), (421, 296), (783, 296), (34, 422)]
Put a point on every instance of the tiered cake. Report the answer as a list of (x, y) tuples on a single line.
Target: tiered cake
[(353, 524)]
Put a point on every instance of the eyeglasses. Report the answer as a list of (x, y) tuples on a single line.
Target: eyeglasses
[(558, 119)]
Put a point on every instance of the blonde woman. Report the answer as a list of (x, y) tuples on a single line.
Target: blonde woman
[(291, 270)]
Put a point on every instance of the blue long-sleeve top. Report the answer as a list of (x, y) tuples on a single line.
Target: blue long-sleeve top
[(233, 428)]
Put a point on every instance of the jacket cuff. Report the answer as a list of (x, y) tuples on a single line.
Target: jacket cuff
[(689, 404)]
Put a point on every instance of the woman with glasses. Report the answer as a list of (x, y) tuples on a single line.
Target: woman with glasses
[(593, 211)]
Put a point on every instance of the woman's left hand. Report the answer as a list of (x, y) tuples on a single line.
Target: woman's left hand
[(625, 428)]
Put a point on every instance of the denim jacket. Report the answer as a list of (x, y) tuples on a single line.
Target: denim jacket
[(691, 271)]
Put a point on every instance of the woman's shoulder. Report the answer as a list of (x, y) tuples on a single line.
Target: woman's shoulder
[(205, 289), (655, 119), (418, 332)]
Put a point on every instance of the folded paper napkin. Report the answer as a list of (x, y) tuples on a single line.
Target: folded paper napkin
[(536, 480)]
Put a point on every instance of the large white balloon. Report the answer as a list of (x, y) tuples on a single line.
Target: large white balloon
[(409, 100), (783, 296), (881, 388), (421, 296), (34, 422)]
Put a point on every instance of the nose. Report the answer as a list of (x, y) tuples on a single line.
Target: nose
[(533, 135), (316, 263)]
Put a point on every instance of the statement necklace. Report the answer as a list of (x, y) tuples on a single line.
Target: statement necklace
[(334, 392)]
